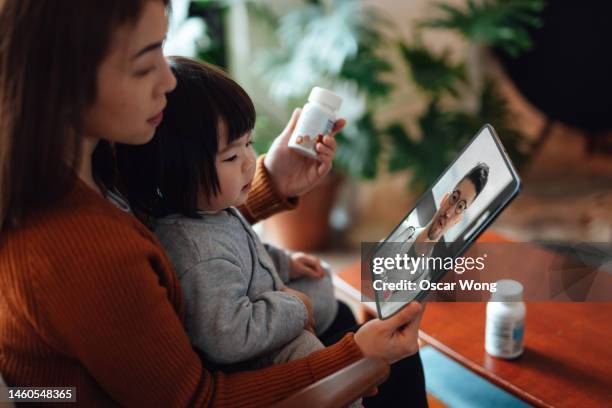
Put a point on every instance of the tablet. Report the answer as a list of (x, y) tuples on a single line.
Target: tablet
[(466, 198)]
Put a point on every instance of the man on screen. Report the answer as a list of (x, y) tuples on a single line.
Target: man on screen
[(416, 241), (452, 207)]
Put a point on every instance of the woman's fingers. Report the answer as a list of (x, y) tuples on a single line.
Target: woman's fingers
[(338, 125), (324, 150), (290, 127), (412, 328), (330, 140), (325, 153), (394, 338), (404, 317), (327, 142), (324, 168)]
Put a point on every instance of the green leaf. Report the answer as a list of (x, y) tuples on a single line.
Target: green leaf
[(494, 109), (500, 23), (366, 69), (358, 150), (444, 133), (433, 74), (404, 149)]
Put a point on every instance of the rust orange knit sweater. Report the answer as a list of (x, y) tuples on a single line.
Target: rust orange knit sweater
[(88, 299)]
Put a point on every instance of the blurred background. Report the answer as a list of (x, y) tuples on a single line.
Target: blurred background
[(418, 79)]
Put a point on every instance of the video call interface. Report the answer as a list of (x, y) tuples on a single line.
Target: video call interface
[(460, 202)]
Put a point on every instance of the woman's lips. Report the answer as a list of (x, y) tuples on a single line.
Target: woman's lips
[(156, 120)]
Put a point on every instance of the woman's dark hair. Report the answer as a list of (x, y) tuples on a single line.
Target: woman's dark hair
[(50, 51), (166, 175)]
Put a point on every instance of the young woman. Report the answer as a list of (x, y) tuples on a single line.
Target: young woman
[(89, 299)]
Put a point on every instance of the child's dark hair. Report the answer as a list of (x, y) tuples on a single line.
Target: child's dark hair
[(165, 175)]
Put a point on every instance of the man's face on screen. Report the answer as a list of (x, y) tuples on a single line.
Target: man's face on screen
[(451, 209)]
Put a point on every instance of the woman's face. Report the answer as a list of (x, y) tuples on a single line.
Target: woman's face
[(132, 82)]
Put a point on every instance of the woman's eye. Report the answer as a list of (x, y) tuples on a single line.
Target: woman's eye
[(231, 159), (144, 72)]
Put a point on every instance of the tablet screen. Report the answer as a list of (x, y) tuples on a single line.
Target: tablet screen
[(464, 200)]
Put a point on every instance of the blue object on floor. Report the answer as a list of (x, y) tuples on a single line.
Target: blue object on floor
[(456, 386)]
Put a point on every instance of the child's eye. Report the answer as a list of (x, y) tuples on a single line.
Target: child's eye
[(249, 143), (231, 159)]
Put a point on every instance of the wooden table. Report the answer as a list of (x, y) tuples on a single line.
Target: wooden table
[(568, 346), (568, 350)]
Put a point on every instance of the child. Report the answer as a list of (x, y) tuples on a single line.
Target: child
[(189, 179)]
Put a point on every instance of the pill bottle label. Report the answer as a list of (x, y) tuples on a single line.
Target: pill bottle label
[(310, 126), (504, 338)]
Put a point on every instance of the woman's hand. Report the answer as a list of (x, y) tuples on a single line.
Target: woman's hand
[(394, 338), (293, 174), (304, 265)]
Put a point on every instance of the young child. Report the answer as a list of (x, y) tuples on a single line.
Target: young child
[(189, 179)]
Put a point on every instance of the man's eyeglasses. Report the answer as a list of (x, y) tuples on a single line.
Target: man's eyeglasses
[(460, 205)]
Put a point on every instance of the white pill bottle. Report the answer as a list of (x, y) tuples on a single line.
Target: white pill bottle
[(316, 120), (505, 325)]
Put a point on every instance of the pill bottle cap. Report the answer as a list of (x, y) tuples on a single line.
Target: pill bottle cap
[(325, 97), (507, 290)]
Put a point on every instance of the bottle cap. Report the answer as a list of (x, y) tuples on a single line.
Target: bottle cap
[(507, 290), (325, 97)]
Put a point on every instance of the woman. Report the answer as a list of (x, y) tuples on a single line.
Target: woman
[(89, 297)]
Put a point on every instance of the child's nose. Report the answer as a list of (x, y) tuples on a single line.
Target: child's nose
[(249, 162)]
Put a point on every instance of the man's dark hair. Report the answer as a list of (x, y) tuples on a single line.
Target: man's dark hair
[(166, 175), (479, 176)]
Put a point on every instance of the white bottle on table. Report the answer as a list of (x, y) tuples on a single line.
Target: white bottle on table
[(316, 120), (505, 324)]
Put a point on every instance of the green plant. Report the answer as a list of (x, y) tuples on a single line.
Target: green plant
[(444, 130), (336, 44), (498, 23)]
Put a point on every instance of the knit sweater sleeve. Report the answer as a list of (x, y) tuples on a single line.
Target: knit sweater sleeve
[(263, 200), (114, 316), (227, 325), (281, 259)]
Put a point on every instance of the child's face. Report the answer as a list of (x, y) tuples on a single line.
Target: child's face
[(235, 168)]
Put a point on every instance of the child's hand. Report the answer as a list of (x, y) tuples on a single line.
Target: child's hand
[(310, 321), (304, 265)]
